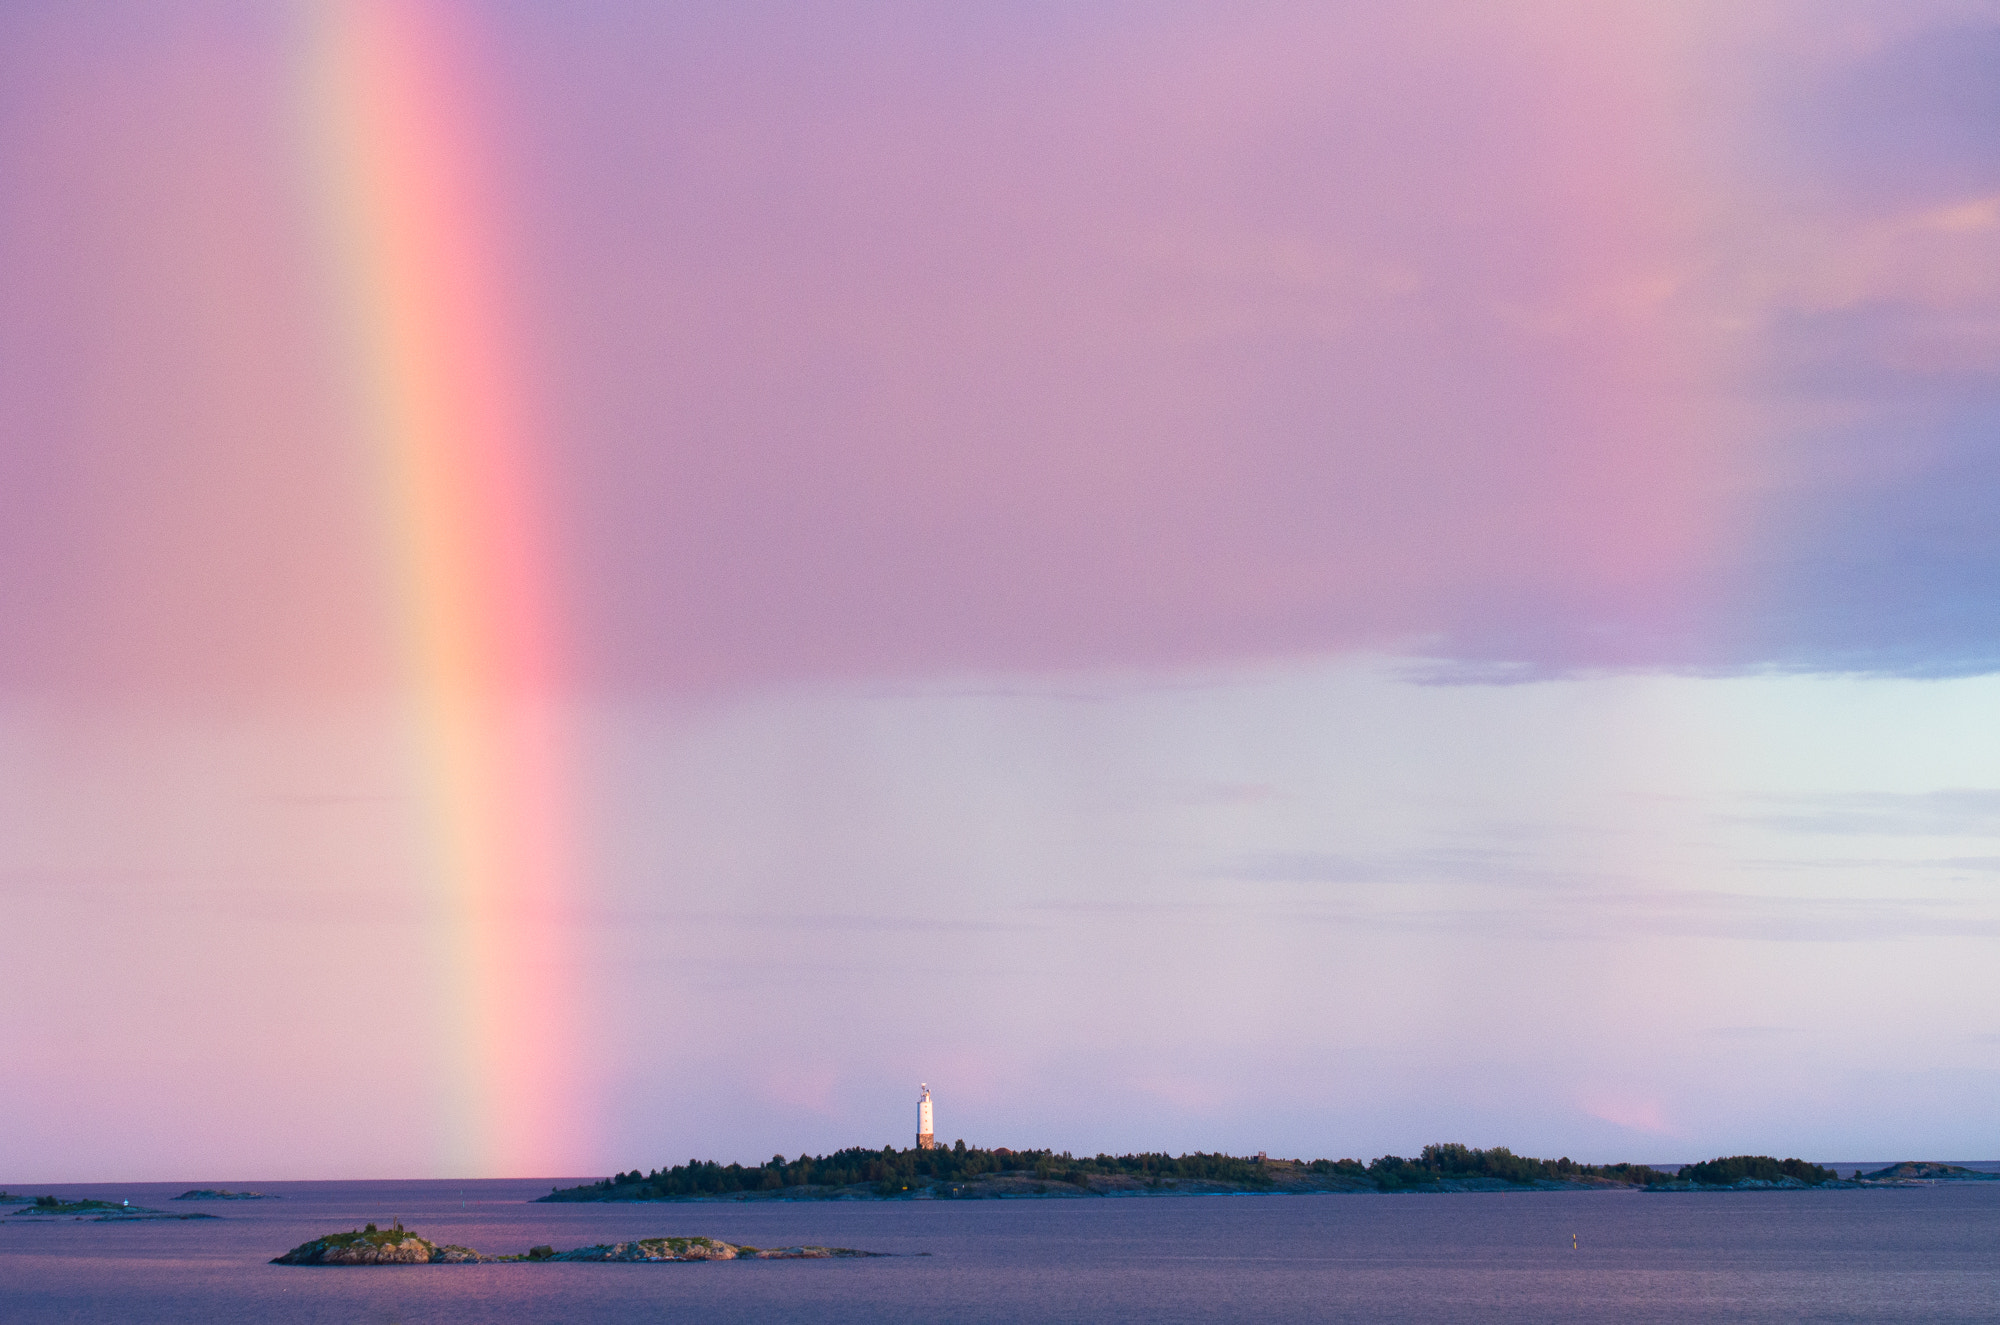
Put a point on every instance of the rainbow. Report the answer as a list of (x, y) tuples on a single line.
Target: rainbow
[(438, 398)]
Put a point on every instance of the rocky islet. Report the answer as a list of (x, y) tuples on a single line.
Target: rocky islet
[(397, 1245)]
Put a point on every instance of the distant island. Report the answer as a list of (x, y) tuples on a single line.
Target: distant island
[(397, 1245), (103, 1212), (1926, 1171), (1748, 1172), (962, 1172), (221, 1194)]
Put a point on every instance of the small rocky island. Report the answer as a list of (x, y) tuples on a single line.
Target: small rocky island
[(102, 1212), (1741, 1173), (394, 1245), (397, 1245), (1926, 1171), (222, 1194)]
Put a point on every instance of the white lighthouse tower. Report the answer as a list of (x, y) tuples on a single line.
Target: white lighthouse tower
[(926, 1138)]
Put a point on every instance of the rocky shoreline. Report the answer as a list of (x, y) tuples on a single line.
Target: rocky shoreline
[(399, 1246)]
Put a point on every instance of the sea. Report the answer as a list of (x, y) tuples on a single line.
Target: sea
[(1895, 1254)]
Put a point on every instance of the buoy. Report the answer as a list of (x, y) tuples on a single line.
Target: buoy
[(1572, 1242)]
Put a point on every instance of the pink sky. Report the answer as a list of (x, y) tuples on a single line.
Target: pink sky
[(916, 343), (891, 342)]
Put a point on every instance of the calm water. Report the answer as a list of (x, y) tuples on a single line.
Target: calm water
[(1925, 1254)]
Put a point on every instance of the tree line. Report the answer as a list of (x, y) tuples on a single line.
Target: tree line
[(891, 1171), (1721, 1172), (1449, 1160)]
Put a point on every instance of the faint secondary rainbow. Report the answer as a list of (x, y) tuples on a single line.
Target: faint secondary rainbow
[(440, 399)]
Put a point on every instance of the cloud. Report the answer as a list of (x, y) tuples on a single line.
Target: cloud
[(1915, 119), (1477, 865), (1638, 1113), (1965, 812), (891, 344), (1525, 340), (1421, 894)]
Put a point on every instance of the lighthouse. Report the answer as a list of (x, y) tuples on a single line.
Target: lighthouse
[(926, 1138)]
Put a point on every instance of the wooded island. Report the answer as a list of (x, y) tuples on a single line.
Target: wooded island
[(968, 1172)]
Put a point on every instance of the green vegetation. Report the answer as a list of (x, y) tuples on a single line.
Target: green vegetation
[(1927, 1170), (1439, 1163), (55, 1205), (1763, 1168), (394, 1245), (373, 1236), (892, 1172), (102, 1212), (682, 1246), (961, 1171)]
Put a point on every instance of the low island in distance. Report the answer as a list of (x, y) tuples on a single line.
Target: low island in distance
[(961, 1172), (397, 1245), (1926, 1171), (102, 1212)]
